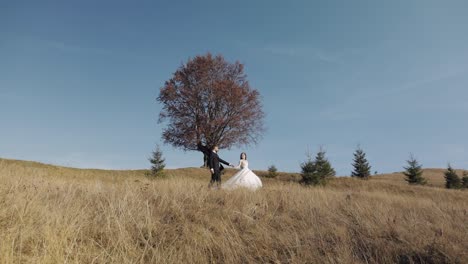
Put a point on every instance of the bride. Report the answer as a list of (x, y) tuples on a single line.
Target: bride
[(244, 178)]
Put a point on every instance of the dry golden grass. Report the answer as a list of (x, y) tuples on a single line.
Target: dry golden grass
[(52, 214)]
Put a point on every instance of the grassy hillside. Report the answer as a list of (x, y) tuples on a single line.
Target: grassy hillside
[(52, 214)]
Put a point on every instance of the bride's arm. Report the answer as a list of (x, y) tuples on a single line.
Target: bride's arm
[(238, 166)]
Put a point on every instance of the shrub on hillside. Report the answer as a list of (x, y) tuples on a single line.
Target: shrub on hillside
[(452, 181), (465, 180), (362, 169), (413, 172), (272, 172), (158, 163), (318, 171)]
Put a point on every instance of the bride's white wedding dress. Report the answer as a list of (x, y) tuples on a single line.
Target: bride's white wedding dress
[(244, 178)]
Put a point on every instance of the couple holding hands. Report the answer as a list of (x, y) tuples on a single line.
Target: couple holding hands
[(244, 178)]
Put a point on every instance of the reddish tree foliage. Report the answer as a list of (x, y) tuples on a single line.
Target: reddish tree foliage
[(209, 100)]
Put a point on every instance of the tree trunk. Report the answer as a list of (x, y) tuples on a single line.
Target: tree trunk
[(205, 161)]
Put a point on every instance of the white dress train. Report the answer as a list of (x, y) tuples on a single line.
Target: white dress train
[(243, 178)]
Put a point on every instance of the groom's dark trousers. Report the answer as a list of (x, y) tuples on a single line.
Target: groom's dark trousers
[(214, 164)]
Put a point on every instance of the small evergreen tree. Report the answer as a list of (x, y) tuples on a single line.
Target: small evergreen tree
[(465, 180), (323, 166), (318, 171), (452, 181), (272, 172), (308, 172), (362, 169), (157, 162), (413, 172)]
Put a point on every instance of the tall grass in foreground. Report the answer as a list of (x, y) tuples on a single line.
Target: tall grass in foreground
[(94, 217)]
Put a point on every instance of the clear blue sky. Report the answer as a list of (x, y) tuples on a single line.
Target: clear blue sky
[(78, 79)]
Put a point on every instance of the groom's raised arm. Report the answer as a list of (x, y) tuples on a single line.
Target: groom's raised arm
[(224, 162), (203, 149)]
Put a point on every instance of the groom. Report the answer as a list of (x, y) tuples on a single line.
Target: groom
[(215, 167)]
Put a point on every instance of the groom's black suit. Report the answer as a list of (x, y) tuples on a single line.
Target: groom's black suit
[(216, 167), (207, 153)]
